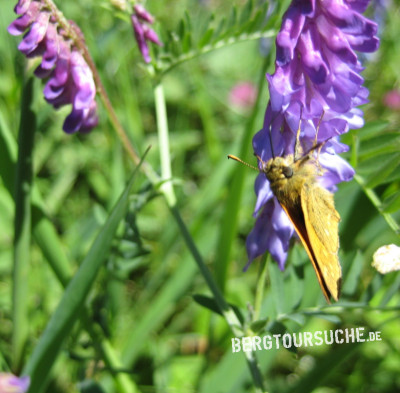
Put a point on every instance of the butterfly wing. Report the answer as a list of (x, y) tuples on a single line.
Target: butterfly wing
[(296, 216), (321, 222)]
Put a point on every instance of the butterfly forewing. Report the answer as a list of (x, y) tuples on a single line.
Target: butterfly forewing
[(322, 221)]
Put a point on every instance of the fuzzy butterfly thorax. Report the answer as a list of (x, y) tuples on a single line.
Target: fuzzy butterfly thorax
[(287, 176)]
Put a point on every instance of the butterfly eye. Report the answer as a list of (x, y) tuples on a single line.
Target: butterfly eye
[(287, 171)]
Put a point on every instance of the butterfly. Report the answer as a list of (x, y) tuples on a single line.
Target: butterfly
[(310, 207)]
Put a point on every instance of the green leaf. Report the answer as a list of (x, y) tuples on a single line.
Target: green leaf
[(232, 21), (211, 304), (73, 300), (277, 287), (380, 144), (323, 368), (375, 164), (250, 25), (246, 13), (295, 317), (207, 302), (219, 31), (352, 278), (256, 23), (206, 38), (187, 42), (22, 224), (258, 327), (372, 129), (380, 175), (8, 156), (392, 203), (175, 44), (181, 29), (391, 291), (324, 315)]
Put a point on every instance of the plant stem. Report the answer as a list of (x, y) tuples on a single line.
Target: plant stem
[(260, 287), (167, 190), (163, 138), (255, 371), (226, 310), (167, 187)]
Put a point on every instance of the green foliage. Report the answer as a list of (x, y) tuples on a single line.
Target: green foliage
[(114, 301), (242, 24)]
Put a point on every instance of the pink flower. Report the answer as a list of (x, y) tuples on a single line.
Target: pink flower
[(9, 383), (392, 100), (243, 95), (143, 33)]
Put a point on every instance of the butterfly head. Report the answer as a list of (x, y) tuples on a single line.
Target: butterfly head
[(278, 168)]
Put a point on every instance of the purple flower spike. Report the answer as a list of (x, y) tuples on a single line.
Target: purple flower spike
[(143, 14), (317, 84), (9, 383), (70, 78), (143, 33)]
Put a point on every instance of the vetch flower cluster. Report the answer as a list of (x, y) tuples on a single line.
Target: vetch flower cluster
[(316, 80), (70, 80), (143, 33)]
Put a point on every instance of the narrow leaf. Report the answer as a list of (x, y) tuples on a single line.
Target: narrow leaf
[(246, 13), (22, 226), (379, 177), (206, 38), (392, 203), (73, 300)]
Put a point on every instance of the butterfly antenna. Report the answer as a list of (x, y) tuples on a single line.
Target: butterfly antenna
[(318, 125), (318, 145), (271, 144), (243, 162), (297, 146)]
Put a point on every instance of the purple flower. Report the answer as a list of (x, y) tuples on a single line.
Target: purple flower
[(70, 78), (143, 33), (316, 80), (9, 383)]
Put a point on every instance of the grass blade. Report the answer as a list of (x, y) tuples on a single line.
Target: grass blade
[(71, 304)]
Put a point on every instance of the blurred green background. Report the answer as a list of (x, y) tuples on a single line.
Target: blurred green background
[(143, 298)]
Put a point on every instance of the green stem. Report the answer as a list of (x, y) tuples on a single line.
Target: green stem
[(22, 237), (168, 191), (255, 371), (167, 187), (123, 382), (260, 287), (163, 138), (192, 54), (226, 310)]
